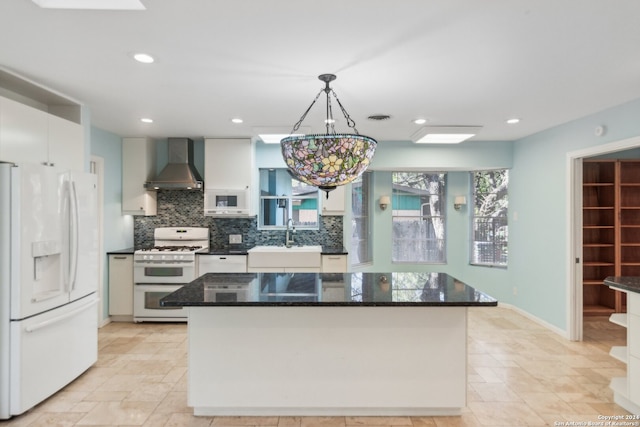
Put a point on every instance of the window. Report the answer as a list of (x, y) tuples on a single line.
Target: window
[(283, 197), (490, 227), (418, 204), (360, 221)]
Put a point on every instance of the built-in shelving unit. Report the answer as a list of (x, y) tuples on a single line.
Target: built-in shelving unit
[(611, 231)]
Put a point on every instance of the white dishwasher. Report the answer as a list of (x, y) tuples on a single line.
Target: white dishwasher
[(221, 264)]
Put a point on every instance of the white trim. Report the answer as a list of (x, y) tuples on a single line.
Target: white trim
[(98, 162), (574, 284), (535, 319)]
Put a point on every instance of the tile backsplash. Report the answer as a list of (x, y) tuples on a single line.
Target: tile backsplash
[(185, 209)]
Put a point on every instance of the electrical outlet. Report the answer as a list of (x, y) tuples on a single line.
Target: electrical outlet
[(515, 291), (235, 239)]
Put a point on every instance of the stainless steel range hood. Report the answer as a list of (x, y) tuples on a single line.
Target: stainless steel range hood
[(180, 173)]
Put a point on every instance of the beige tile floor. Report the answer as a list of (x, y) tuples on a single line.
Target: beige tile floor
[(520, 374)]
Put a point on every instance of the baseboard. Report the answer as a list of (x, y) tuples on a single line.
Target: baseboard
[(104, 322), (535, 319)]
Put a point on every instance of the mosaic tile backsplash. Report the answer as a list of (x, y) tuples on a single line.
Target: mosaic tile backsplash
[(185, 209)]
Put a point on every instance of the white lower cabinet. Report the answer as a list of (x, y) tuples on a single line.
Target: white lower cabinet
[(121, 287), (626, 390), (221, 264), (334, 263)]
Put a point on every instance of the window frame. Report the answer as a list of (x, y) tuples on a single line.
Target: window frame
[(289, 200), (503, 220), (364, 243), (442, 197)]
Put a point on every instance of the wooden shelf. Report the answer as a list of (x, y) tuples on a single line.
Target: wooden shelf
[(619, 319), (597, 310), (611, 231), (619, 352)]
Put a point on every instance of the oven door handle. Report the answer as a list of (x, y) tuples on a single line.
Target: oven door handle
[(160, 284)]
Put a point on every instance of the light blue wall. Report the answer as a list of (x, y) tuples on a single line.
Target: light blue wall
[(117, 228), (538, 187), (458, 160)]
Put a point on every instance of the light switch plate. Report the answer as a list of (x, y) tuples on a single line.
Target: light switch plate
[(235, 239)]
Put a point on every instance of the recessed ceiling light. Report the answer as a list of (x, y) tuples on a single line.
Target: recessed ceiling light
[(444, 134), (143, 57), (237, 120), (91, 4), (146, 120), (420, 121), (513, 121)]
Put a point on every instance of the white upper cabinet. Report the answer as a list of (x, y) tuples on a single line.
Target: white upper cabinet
[(66, 143), (23, 133), (138, 167), (228, 163), (334, 204), (33, 135), (39, 125)]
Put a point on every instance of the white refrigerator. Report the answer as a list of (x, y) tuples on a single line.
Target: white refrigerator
[(48, 282)]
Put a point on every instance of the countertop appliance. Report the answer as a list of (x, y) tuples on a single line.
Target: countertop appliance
[(48, 282), (164, 268)]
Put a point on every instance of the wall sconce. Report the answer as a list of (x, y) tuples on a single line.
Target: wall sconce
[(384, 202), (458, 202)]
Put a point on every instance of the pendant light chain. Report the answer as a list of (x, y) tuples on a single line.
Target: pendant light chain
[(304, 115), (350, 122)]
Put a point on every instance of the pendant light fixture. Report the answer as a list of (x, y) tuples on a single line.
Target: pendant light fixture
[(331, 159)]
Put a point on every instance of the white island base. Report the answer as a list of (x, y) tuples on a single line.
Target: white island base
[(322, 361)]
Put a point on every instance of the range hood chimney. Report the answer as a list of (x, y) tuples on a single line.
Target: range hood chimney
[(180, 173)]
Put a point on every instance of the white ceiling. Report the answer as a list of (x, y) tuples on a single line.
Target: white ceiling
[(453, 62)]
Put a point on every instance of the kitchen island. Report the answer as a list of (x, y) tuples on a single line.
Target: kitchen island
[(327, 344), (626, 390)]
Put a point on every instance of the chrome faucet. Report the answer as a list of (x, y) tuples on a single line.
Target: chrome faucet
[(289, 242)]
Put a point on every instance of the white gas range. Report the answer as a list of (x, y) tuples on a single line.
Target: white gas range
[(164, 268)]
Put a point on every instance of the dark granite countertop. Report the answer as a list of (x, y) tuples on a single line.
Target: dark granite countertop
[(625, 283), (327, 289), (326, 250)]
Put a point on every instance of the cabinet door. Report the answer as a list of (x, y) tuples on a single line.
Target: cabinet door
[(66, 144), (334, 203), (228, 163), (121, 285), (23, 133), (138, 166)]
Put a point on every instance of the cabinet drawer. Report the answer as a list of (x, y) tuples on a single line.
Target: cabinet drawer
[(334, 263), (222, 264)]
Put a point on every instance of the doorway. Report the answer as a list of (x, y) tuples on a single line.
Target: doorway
[(574, 226)]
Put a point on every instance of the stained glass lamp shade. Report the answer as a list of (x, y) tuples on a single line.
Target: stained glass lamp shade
[(328, 160)]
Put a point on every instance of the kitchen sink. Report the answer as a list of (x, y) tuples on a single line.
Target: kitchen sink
[(282, 256)]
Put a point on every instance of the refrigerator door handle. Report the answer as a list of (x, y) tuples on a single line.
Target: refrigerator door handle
[(54, 320), (73, 240)]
